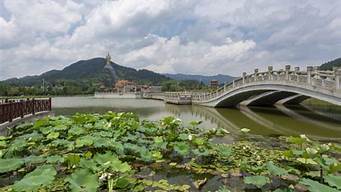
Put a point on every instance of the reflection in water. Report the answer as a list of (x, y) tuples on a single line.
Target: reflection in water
[(261, 121)]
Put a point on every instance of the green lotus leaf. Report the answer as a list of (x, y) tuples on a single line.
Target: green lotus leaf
[(108, 160), (102, 142), (84, 141), (53, 135), (223, 151), (157, 155), (55, 159), (72, 159), (333, 180), (90, 164), (43, 122), (76, 131), (258, 181), (182, 148), (315, 186), (275, 170), (46, 130), (83, 180), (10, 164), (201, 152), (122, 183), (40, 177), (307, 161), (61, 127), (199, 141), (3, 144), (34, 159)]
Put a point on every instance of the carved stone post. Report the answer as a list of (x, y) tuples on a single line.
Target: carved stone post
[(270, 69), (287, 72), (297, 69), (256, 74), (309, 74), (244, 76), (337, 72)]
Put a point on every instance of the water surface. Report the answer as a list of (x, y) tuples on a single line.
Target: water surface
[(319, 123)]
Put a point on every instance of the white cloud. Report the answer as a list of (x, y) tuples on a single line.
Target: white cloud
[(190, 36)]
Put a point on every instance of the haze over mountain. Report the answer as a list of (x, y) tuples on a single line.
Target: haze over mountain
[(201, 78)]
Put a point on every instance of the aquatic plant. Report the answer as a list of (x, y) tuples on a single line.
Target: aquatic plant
[(118, 152)]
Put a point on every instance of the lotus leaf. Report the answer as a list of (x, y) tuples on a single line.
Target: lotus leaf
[(334, 181), (108, 160), (182, 148), (53, 135), (84, 141), (55, 159), (275, 170), (10, 164), (34, 159), (83, 180), (315, 186), (307, 161), (40, 177), (76, 130), (41, 123), (258, 181)]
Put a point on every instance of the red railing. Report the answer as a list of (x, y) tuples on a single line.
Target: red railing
[(11, 109)]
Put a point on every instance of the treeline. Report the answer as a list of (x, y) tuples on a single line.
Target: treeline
[(60, 88), (86, 87)]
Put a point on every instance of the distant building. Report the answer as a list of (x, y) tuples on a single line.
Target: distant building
[(214, 84), (125, 86)]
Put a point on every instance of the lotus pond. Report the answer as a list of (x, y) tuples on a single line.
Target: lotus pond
[(119, 152)]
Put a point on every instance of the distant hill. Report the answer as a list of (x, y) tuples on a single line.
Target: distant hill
[(89, 70), (329, 65), (201, 78)]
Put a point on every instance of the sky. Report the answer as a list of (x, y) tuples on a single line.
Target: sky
[(168, 36)]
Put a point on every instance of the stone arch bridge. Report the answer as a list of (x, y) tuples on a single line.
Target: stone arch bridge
[(268, 88)]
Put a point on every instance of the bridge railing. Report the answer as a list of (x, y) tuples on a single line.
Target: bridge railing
[(323, 80), (12, 109)]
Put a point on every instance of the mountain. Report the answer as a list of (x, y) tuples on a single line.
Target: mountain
[(329, 65), (201, 78), (90, 70)]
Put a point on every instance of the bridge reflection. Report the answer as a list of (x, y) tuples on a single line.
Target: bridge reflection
[(263, 121)]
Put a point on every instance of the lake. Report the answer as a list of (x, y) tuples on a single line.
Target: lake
[(322, 123)]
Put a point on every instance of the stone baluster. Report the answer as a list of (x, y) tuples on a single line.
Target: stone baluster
[(337, 73), (287, 72), (270, 69), (256, 75), (244, 76), (297, 69), (309, 74)]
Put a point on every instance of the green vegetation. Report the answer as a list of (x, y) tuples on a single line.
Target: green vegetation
[(118, 152), (184, 85), (329, 65)]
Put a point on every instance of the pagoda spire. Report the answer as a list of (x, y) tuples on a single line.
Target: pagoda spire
[(108, 58)]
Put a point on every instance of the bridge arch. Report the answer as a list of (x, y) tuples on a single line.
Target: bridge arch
[(284, 87)]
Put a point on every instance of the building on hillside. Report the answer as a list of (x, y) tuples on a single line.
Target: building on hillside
[(214, 84), (125, 86)]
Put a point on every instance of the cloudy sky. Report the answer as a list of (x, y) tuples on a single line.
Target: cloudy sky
[(174, 36)]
